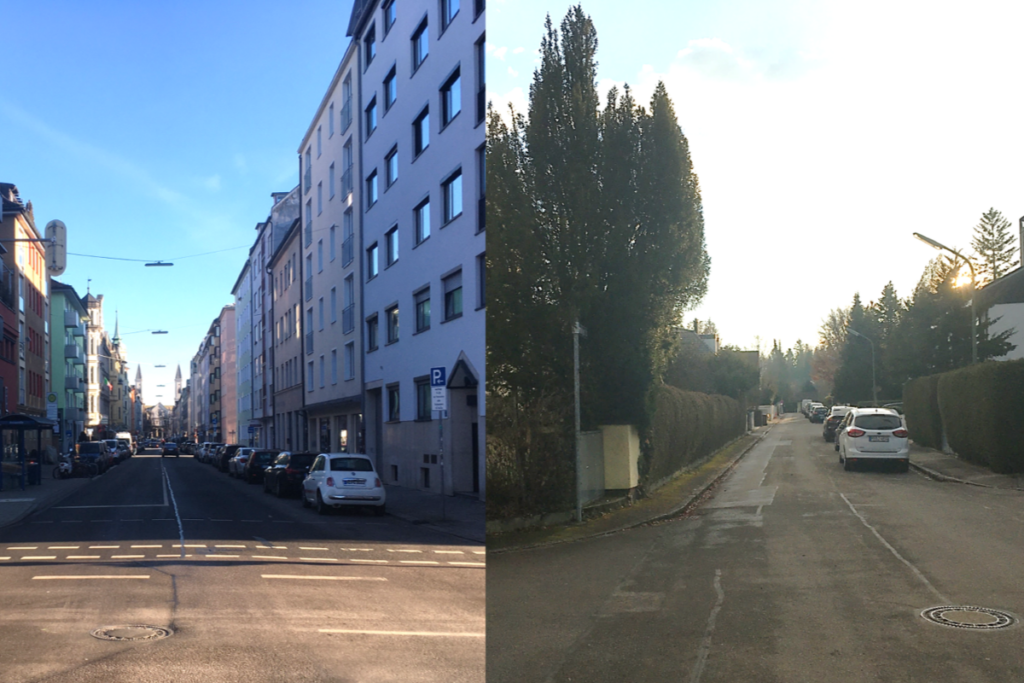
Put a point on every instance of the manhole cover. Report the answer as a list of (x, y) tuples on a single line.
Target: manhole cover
[(131, 632), (966, 616)]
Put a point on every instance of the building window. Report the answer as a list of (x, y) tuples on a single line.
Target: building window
[(334, 304), (371, 117), (346, 103), (423, 400), (350, 360), (371, 262), (330, 121), (321, 371), (389, 15), (390, 89), (421, 216), (481, 280), (347, 238), (481, 181), (391, 243), (319, 198), (370, 45), (309, 376), (453, 296), (421, 132), (319, 141), (481, 79), (394, 414), (451, 190), (422, 299), (308, 179), (320, 256), (420, 49), (346, 175), (309, 222), (451, 98), (371, 189), (331, 251), (478, 7), (449, 8), (320, 316), (348, 312), (391, 163), (334, 366), (330, 178), (371, 333), (391, 316)]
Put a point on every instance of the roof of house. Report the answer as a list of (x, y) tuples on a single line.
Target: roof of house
[(1009, 289)]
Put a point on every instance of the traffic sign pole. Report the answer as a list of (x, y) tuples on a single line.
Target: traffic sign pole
[(439, 402)]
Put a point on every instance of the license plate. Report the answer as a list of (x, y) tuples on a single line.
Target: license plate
[(354, 482), (878, 438)]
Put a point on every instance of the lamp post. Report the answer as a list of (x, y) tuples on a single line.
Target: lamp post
[(577, 331), (874, 390), (974, 318)]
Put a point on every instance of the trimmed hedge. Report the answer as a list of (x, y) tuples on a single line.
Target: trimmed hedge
[(982, 409), (921, 408), (688, 426)]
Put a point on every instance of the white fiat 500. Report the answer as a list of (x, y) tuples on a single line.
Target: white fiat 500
[(873, 435), (343, 479)]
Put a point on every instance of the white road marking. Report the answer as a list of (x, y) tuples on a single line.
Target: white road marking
[(97, 547), (177, 515), (39, 557), (221, 520), (147, 546), (418, 562), (5, 558), (356, 559), (126, 557), (705, 645), (479, 552), (268, 557), (357, 550), (228, 546), (303, 547), (24, 547), (193, 519), (189, 545), (433, 634), (469, 564), (391, 550), (318, 559), (83, 557), (130, 520), (323, 578), (219, 555), (917, 573), (449, 552), (176, 555), (90, 576)]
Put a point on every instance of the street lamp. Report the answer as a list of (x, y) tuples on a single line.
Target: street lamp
[(974, 318), (874, 390), (158, 263)]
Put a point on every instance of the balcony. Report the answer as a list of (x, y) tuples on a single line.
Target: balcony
[(307, 180), (309, 343), (348, 318), (309, 288), (347, 251), (79, 330), (309, 231), (71, 319), (346, 183), (346, 115), (72, 383)]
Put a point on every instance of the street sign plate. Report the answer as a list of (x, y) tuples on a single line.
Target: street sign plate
[(438, 377), (438, 398)]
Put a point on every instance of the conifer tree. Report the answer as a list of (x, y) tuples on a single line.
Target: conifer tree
[(994, 245)]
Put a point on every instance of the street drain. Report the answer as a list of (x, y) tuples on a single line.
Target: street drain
[(131, 632), (966, 616)]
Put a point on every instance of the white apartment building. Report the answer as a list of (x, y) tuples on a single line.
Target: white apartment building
[(93, 415), (330, 267), (421, 108), (290, 427), (243, 342)]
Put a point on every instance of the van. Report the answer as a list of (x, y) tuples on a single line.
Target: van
[(127, 436)]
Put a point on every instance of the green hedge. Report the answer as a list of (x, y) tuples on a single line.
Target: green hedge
[(982, 409), (688, 426), (921, 407)]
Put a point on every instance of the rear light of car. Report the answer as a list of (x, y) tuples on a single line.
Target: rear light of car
[(376, 482), (900, 433), (854, 432), (330, 481)]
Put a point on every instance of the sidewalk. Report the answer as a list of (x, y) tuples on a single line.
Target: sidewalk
[(669, 501), (463, 515), (949, 467), (16, 505)]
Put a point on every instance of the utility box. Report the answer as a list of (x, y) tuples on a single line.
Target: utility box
[(621, 455)]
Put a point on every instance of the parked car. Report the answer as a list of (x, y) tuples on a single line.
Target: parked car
[(238, 460), (169, 448), (873, 435), (284, 476), (252, 472), (819, 413), (835, 417), (95, 452), (224, 454), (338, 480)]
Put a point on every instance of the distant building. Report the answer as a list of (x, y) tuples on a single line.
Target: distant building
[(289, 425), (1003, 303), (68, 323)]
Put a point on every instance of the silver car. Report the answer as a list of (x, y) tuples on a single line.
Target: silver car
[(873, 435)]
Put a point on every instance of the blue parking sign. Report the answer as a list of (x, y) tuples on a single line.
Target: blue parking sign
[(438, 377)]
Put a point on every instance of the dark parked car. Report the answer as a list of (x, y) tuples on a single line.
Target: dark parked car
[(95, 452), (819, 414), (257, 462), (284, 476), (169, 448), (832, 422), (223, 454)]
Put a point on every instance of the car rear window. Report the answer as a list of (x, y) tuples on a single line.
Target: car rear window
[(878, 422), (301, 460), (89, 447), (351, 465), (264, 456)]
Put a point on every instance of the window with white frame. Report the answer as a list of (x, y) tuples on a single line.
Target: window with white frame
[(453, 296), (451, 97), (391, 318), (350, 360), (449, 8), (451, 191), (422, 301), (334, 366), (420, 48), (371, 189), (391, 245), (421, 132), (334, 304), (371, 262), (421, 218)]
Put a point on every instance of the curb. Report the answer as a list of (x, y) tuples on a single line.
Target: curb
[(38, 506), (432, 527), (690, 500), (938, 476)]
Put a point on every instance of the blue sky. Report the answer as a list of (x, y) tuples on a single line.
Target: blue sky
[(158, 131), (823, 133)]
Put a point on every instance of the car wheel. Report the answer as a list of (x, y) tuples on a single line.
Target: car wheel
[(321, 507), (903, 467), (847, 465), (379, 511)]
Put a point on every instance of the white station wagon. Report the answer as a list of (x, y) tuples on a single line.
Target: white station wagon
[(873, 435), (338, 480)]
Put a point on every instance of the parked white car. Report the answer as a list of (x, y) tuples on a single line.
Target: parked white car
[(873, 435), (338, 480), (236, 465)]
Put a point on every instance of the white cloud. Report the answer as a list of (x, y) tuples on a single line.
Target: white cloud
[(512, 72), (518, 50), (499, 53), (515, 97), (212, 183)]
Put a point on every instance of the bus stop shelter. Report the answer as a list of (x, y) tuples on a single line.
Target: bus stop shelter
[(18, 433)]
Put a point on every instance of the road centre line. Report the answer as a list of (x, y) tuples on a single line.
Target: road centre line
[(228, 546), (469, 564), (268, 557), (189, 545), (221, 520), (303, 547), (71, 521), (127, 557), (83, 557), (62, 547), (323, 578), (176, 555), (90, 576), (433, 634), (418, 562), (318, 559), (108, 547), (39, 557), (5, 558), (177, 515), (219, 555), (23, 547), (449, 552), (147, 546), (356, 559), (391, 550)]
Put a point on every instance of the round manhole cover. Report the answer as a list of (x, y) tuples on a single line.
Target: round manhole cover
[(967, 616), (131, 632)]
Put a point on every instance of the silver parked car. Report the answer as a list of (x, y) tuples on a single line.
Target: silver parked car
[(873, 435)]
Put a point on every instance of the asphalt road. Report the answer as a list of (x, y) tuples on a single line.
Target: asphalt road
[(793, 571), (254, 588)]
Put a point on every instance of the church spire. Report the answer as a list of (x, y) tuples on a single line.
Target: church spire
[(117, 334)]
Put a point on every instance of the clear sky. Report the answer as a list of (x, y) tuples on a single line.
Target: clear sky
[(158, 130), (824, 134)]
